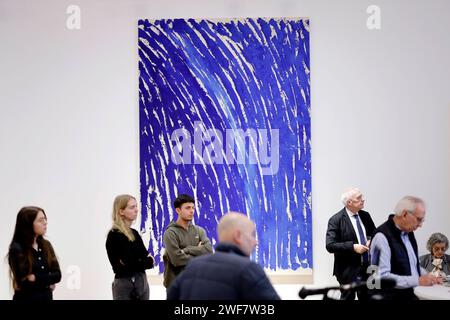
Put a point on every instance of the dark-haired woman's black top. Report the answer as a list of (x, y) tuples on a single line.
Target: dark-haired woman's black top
[(127, 257), (46, 273)]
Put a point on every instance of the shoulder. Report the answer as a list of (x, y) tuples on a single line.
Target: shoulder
[(237, 263), (365, 216), (47, 243), (447, 259), (48, 248), (226, 262), (172, 226), (379, 236), (112, 233), (171, 229), (171, 233), (253, 271), (236, 259), (383, 227), (425, 257), (16, 247), (199, 229), (338, 215), (364, 213), (379, 239), (135, 232), (115, 235), (137, 235)]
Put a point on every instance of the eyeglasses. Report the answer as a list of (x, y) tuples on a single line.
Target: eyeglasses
[(443, 249), (419, 220), (358, 199)]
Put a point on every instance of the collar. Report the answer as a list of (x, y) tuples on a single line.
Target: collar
[(180, 226), (229, 248), (397, 228), (350, 213)]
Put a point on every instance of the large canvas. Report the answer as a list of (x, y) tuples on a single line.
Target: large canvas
[(224, 112)]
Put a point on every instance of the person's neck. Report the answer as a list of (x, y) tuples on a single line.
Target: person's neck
[(397, 223), (183, 223), (352, 210), (127, 223), (35, 244)]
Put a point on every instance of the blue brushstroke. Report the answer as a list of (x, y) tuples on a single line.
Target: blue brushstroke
[(228, 75)]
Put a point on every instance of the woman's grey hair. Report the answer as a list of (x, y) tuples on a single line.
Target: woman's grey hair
[(437, 238), (408, 203), (348, 194)]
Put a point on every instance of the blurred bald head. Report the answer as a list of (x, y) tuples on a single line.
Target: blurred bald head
[(236, 228)]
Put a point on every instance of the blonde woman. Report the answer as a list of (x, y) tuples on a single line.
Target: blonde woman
[(126, 251)]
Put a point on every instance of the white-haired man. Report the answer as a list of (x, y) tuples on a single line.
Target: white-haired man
[(394, 250), (348, 238)]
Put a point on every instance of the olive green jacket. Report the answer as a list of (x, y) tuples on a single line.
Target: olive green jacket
[(182, 245)]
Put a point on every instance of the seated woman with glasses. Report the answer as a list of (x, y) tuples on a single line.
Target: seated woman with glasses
[(437, 262)]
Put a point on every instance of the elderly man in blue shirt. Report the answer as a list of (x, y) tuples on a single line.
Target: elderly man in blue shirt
[(394, 250)]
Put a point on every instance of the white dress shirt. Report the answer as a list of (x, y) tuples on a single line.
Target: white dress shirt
[(355, 227)]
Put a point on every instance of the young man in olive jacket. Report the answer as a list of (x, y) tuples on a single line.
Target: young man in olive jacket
[(183, 240)]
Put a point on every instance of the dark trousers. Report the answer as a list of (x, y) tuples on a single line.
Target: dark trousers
[(362, 292), (131, 288), (40, 294), (351, 294)]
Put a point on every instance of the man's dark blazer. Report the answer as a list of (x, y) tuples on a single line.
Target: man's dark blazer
[(340, 239)]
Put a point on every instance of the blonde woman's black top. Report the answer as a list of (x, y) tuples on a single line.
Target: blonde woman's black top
[(127, 257)]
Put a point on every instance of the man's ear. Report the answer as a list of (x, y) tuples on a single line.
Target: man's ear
[(237, 235), (177, 210)]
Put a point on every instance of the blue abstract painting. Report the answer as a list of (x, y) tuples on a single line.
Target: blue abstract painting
[(224, 109)]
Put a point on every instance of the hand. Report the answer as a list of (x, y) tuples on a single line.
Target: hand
[(429, 280), (438, 280), (31, 277), (52, 287), (359, 248)]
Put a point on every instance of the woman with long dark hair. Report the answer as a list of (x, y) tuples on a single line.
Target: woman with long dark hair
[(34, 268)]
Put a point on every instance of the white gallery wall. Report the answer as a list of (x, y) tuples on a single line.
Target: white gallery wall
[(69, 126)]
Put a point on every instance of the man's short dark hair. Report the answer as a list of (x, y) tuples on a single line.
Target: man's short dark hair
[(183, 198)]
